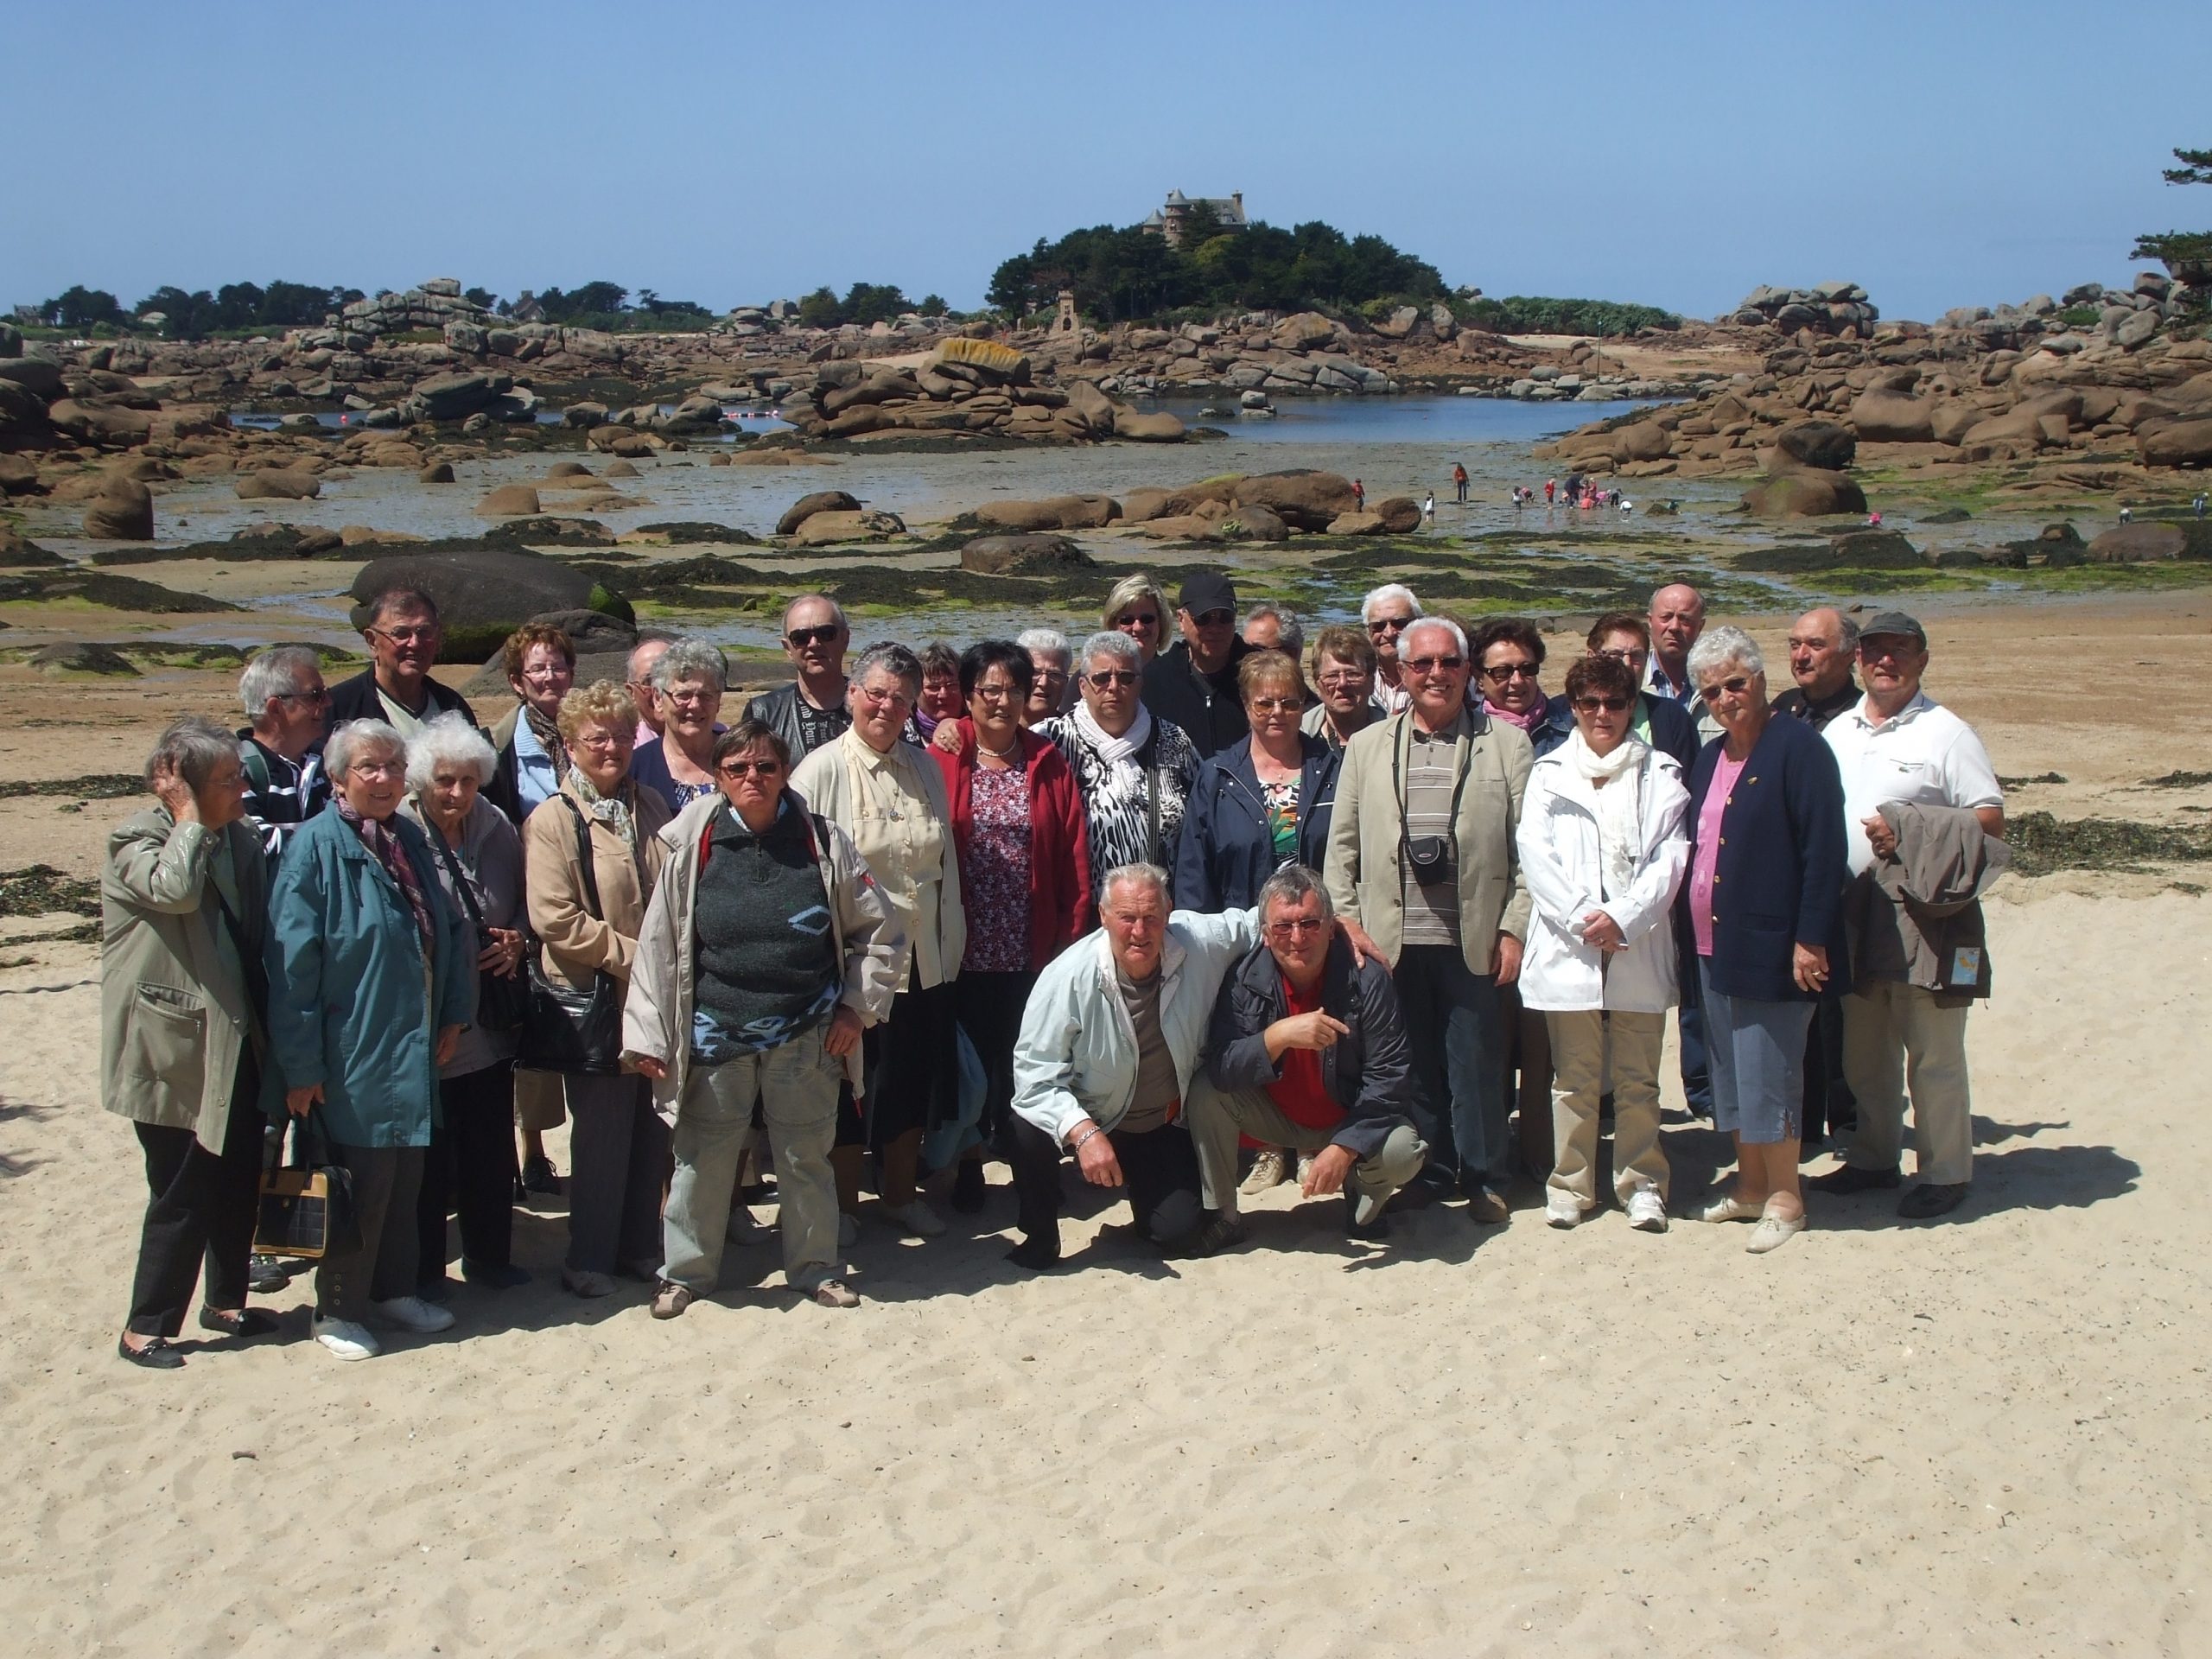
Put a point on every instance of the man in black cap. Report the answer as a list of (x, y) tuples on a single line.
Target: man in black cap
[(1194, 683)]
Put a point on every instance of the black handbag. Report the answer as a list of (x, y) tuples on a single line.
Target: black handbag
[(571, 1031), (1433, 860), (502, 1000), (307, 1207)]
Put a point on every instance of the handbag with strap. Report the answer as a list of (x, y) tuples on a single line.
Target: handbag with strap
[(502, 1000), (307, 1207), (572, 1030)]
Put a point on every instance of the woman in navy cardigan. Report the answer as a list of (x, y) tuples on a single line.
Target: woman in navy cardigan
[(1765, 897), (1238, 828)]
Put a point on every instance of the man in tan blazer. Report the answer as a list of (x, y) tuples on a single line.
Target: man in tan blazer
[(1422, 856)]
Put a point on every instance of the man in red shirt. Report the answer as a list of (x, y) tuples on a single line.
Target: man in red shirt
[(1307, 1050)]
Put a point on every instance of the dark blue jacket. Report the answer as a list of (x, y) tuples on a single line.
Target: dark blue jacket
[(1226, 851), (1780, 873)]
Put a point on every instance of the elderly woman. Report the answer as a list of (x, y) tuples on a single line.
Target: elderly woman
[(940, 700), (541, 665), (184, 906), (1344, 676), (1136, 606), (1767, 870), (1048, 685), (591, 855), (890, 799), (1602, 847), (1135, 772), (373, 978), (740, 993), (678, 766), (469, 1170), (1025, 873)]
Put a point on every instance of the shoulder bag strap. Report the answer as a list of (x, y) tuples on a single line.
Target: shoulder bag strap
[(1458, 789), (250, 963), (583, 856), (453, 869)]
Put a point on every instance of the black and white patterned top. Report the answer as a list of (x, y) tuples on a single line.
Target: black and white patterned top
[(1116, 810)]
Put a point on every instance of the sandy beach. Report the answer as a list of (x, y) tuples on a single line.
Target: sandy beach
[(1986, 1434)]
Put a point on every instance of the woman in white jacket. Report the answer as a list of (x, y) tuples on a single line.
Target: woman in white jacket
[(1603, 846)]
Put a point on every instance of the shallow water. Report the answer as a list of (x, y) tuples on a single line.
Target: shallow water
[(1395, 420)]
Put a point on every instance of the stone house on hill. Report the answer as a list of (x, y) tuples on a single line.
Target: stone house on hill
[(1170, 217)]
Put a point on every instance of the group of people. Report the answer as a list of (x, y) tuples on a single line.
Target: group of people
[(1133, 900)]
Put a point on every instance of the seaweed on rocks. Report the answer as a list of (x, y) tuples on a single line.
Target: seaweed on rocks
[(42, 890), (2179, 780), (112, 593), (93, 786), (687, 532), (2042, 844)]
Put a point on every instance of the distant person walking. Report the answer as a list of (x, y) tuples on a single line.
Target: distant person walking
[(1358, 496), (1428, 508), (1459, 479), (1551, 490)]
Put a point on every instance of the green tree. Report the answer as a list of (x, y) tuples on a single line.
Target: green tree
[(820, 309), (2178, 248), (483, 297), (79, 307), (933, 305)]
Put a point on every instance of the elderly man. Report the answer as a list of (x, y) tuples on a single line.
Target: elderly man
[(1677, 619), (1193, 683), (810, 711), (1899, 748), (1344, 671), (1422, 856), (1386, 613), (404, 635), (285, 784), (1109, 1044), (1050, 680), (1307, 1049), (638, 680), (1823, 644)]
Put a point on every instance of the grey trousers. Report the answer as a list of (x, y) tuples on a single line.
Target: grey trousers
[(618, 1154), (1896, 1040), (387, 1181), (797, 1087), (1216, 1117)]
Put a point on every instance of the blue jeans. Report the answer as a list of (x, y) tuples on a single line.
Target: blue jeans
[(1457, 1040)]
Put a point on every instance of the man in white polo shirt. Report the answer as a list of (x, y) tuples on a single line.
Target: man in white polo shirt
[(1899, 746)]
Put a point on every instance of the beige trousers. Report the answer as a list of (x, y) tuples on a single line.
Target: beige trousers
[(1895, 1039), (1581, 1039), (1214, 1119)]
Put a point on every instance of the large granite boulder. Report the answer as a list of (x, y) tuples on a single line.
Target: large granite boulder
[(1642, 441), (277, 484), (1155, 426), (1886, 416), (37, 374), (835, 527), (107, 425), (122, 511), (510, 501), (1804, 493), (1254, 522), (485, 594), (1304, 331), (455, 397), (1023, 556), (1302, 498), (1401, 515), (807, 506), (1821, 445), (1093, 408), (24, 420), (1054, 512), (2182, 444), (2147, 544)]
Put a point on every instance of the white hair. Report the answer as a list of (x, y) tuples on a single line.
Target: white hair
[(1111, 642), (1725, 647), (1422, 623), (347, 742), (1050, 641), (192, 747), (690, 659), (449, 740), (1145, 875), (275, 672), (1388, 590)]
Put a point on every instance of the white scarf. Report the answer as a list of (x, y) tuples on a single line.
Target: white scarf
[(1620, 837), (1118, 753)]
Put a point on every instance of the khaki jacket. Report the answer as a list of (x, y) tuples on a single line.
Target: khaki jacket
[(1367, 839), (577, 945), (657, 1014), (175, 1016)]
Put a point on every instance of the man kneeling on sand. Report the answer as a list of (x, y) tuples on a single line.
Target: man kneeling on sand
[(1307, 1049)]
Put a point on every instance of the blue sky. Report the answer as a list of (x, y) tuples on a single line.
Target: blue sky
[(1940, 154)]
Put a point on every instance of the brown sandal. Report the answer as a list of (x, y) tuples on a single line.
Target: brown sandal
[(671, 1299), (835, 1292)]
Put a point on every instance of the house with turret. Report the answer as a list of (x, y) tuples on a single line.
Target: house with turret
[(1171, 217)]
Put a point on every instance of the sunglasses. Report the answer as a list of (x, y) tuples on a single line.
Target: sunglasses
[(1294, 926), (1729, 687), (1436, 664), (1632, 657), (1591, 705), (746, 768), (1139, 619), (1504, 671), (1391, 624), (1273, 705), (318, 697), (408, 636), (826, 634), (1111, 676), (1215, 618)]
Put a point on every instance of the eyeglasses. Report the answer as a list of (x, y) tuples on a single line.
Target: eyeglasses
[(997, 693), (1343, 676), (1111, 676), (1634, 658), (1391, 624), (1051, 675), (377, 769), (317, 697), (1591, 705), (1138, 619), (1273, 705), (1501, 672), (1215, 618), (1436, 664), (691, 696), (735, 769), (825, 634), (1729, 687), (408, 636), (893, 695), (602, 739), (1295, 926)]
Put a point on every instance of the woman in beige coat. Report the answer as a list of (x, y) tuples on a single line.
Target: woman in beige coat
[(184, 906), (618, 1149)]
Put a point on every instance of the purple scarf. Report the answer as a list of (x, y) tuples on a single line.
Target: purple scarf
[(384, 846)]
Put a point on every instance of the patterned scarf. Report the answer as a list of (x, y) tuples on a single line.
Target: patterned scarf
[(1528, 723), (613, 810), (547, 734), (383, 846)]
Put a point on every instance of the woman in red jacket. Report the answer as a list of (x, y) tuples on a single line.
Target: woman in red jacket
[(1025, 872)]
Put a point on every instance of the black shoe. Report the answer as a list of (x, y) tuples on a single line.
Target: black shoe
[(434, 1290), (505, 1276), (1851, 1179), (1487, 1205), (1376, 1227), (246, 1322), (1932, 1199), (537, 1176), (156, 1356), (1222, 1233), (1034, 1254), (266, 1275), (968, 1189)]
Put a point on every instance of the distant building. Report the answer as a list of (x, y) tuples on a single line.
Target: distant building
[(1169, 219), (527, 309), (30, 314)]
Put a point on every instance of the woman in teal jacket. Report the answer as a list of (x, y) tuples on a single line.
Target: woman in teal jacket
[(372, 979)]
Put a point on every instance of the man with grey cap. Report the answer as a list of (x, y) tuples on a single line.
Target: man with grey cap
[(1193, 683), (1897, 747)]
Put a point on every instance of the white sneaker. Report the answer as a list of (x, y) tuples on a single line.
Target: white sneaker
[(849, 1229), (413, 1314), (1647, 1211), (346, 1338), (918, 1219), (1271, 1168), (1774, 1231), (1562, 1210)]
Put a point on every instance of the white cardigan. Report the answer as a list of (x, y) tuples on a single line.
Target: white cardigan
[(1558, 840)]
